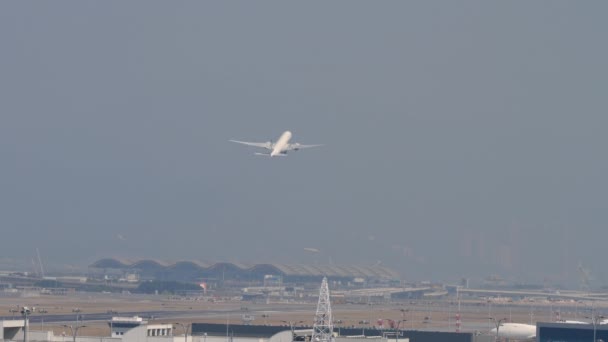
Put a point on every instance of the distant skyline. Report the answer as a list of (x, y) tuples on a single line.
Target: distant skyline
[(461, 139)]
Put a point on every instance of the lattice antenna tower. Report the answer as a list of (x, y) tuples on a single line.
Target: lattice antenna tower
[(323, 327)]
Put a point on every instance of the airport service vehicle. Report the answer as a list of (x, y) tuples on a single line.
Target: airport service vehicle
[(279, 148)]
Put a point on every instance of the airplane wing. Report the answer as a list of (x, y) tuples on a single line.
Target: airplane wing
[(297, 146), (268, 154), (266, 145)]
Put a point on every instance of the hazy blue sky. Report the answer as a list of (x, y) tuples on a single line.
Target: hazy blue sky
[(463, 138)]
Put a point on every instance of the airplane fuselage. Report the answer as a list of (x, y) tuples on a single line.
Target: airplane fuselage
[(279, 148), (516, 331), (281, 144)]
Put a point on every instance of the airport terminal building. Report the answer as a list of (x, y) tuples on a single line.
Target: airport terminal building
[(149, 269)]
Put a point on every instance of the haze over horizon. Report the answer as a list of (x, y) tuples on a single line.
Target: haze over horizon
[(460, 139)]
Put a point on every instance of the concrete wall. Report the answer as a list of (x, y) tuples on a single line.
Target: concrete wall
[(10, 328)]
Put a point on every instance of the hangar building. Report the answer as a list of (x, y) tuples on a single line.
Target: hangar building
[(570, 332)]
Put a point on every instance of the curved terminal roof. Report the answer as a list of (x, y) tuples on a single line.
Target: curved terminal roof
[(276, 268)]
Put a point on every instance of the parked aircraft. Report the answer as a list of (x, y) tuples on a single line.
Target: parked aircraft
[(516, 331), (573, 322)]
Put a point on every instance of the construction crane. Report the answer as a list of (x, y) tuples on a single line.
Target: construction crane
[(585, 277)]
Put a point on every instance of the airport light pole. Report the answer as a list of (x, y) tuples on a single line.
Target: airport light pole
[(74, 330), (291, 326), (26, 312), (595, 320), (531, 314), (489, 313), (338, 323), (185, 327), (42, 311), (403, 312), (13, 312), (497, 323), (77, 311), (449, 315), (398, 332)]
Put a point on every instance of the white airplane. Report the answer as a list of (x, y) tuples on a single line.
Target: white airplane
[(602, 322), (573, 322), (516, 331), (280, 148)]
